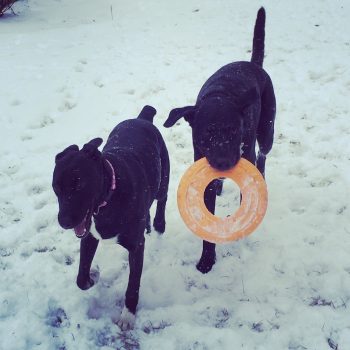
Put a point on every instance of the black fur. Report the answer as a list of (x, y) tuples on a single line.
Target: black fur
[(235, 108), (82, 181)]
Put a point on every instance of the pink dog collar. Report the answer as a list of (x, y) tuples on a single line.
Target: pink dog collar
[(112, 188)]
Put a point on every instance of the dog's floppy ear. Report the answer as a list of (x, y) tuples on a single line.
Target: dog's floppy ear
[(177, 113), (247, 99), (97, 142), (147, 113), (72, 148), (91, 148)]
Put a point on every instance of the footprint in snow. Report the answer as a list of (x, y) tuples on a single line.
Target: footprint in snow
[(298, 210), (152, 91), (99, 83), (26, 137), (298, 172), (16, 102), (79, 68), (67, 105), (5, 252), (56, 317), (129, 92), (9, 166), (35, 190), (40, 204), (325, 182), (41, 225), (9, 214), (44, 121), (44, 249)]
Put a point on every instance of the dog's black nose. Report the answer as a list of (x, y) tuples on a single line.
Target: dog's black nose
[(222, 164), (65, 222)]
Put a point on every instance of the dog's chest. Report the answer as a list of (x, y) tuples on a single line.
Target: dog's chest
[(98, 236)]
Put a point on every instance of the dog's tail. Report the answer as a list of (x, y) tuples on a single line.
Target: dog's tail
[(147, 113), (259, 38)]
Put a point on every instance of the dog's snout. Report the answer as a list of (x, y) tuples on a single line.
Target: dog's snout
[(222, 163), (65, 221)]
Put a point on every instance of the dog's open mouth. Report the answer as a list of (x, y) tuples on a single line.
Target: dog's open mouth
[(82, 230)]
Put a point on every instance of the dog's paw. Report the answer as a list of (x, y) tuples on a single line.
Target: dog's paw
[(159, 225), (85, 284), (127, 320), (205, 264)]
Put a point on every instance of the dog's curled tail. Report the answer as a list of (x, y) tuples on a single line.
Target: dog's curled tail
[(259, 38), (147, 113)]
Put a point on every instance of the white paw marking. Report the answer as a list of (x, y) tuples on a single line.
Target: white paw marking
[(127, 320)]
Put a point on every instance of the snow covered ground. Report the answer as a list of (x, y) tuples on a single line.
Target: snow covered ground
[(71, 70)]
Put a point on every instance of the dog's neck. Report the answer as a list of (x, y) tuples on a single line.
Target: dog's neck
[(109, 184)]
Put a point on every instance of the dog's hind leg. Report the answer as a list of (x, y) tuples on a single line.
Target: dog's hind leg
[(249, 153), (88, 246), (127, 318), (260, 163), (266, 125), (159, 218), (148, 223), (162, 195)]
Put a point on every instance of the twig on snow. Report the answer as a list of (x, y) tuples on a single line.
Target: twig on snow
[(6, 5), (112, 13)]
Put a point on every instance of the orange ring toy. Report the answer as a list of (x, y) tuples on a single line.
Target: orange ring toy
[(190, 200)]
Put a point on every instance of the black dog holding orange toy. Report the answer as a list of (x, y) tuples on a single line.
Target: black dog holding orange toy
[(235, 108), (108, 194)]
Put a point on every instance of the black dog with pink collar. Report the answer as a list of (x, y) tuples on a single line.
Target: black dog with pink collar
[(114, 190)]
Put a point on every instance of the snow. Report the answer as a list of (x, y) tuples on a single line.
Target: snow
[(71, 70)]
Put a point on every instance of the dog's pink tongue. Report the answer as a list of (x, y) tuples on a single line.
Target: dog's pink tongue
[(80, 229)]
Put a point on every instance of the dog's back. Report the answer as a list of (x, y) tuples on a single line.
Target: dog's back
[(142, 143), (137, 135)]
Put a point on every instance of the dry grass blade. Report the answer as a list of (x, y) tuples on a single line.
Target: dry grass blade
[(6, 5)]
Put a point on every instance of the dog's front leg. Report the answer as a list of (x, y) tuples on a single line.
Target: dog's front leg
[(127, 318), (88, 246), (208, 257), (159, 219)]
